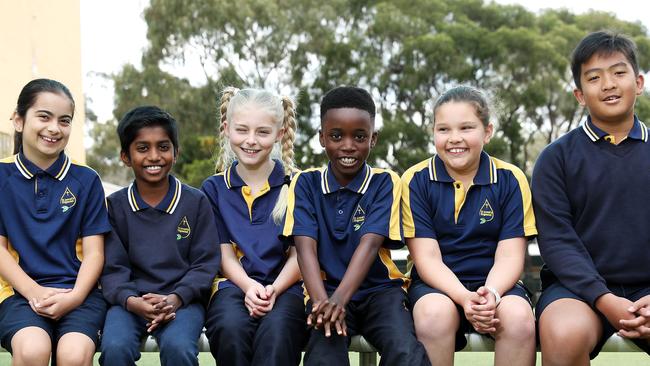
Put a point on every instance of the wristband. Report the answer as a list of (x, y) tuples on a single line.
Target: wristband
[(497, 297)]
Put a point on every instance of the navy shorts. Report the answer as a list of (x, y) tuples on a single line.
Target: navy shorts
[(418, 289), (88, 319), (556, 292)]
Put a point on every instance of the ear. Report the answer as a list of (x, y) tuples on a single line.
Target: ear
[(17, 121), (125, 159), (226, 132), (579, 96), (177, 152), (280, 135), (373, 139), (639, 84), (321, 138), (489, 130)]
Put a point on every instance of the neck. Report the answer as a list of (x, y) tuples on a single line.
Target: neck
[(37, 159), (619, 128), (255, 176), (153, 193)]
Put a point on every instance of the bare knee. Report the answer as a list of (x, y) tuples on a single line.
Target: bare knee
[(435, 316), (516, 320), (75, 349), (31, 346), (569, 330)]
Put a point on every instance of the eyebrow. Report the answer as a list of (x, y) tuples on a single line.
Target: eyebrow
[(610, 67), (51, 114)]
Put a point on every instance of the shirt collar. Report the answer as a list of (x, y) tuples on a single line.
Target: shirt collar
[(168, 203), (486, 174), (58, 170), (233, 180), (639, 130), (358, 184)]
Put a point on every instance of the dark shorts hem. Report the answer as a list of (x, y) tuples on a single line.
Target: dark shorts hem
[(557, 291), (87, 319), (418, 289)]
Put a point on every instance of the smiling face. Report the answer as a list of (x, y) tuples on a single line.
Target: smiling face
[(151, 156), (46, 128), (459, 136), (252, 133), (609, 88), (347, 134)]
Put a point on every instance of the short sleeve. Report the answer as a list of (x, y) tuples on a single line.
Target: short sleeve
[(416, 208), (301, 218), (211, 191), (518, 216), (383, 216), (95, 215)]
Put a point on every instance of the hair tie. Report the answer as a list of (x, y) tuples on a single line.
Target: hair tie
[(287, 179)]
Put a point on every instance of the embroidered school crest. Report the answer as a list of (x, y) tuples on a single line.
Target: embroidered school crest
[(68, 200), (486, 213), (358, 218), (183, 230)]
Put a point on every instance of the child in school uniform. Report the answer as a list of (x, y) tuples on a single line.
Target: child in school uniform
[(344, 219), (161, 255), (256, 315), (590, 191), (52, 224), (466, 219)]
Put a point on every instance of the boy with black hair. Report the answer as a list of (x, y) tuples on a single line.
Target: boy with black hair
[(163, 251), (590, 193), (343, 220)]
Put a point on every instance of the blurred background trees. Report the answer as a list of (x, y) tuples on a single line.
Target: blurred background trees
[(406, 52)]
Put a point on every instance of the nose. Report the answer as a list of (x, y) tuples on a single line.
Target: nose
[(454, 136), (250, 138), (348, 144), (153, 154), (608, 82), (53, 126)]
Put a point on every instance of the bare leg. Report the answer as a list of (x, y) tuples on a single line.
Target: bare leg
[(31, 346), (75, 349), (436, 321), (515, 333), (569, 330)]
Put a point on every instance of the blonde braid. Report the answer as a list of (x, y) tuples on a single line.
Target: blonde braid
[(289, 125), (224, 152)]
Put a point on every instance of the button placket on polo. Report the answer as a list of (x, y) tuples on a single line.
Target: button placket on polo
[(41, 188)]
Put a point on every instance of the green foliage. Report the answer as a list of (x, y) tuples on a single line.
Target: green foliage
[(405, 52)]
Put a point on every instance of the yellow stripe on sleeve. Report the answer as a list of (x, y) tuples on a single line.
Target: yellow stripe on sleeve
[(526, 197), (407, 214), (394, 223)]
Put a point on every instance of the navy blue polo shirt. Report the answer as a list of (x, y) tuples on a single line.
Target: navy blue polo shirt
[(337, 217), (170, 248), (43, 213), (244, 220), (468, 224), (593, 209)]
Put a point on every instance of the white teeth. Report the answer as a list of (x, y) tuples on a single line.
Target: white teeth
[(154, 168), (613, 97), (249, 151), (348, 161), (49, 139), (456, 150)]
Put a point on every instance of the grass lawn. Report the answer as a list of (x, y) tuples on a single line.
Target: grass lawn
[(462, 359)]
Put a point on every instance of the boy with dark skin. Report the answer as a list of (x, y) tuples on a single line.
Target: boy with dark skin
[(343, 220)]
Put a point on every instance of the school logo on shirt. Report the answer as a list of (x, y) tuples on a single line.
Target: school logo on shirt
[(183, 230), (68, 200), (486, 213), (358, 218)]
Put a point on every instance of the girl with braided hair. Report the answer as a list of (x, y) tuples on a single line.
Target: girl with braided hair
[(256, 314)]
